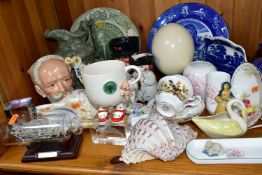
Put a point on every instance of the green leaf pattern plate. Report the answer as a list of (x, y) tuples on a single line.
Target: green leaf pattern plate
[(108, 24)]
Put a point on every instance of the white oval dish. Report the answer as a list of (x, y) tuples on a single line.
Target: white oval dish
[(249, 147)]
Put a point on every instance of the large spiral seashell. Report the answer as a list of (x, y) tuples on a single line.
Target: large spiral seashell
[(156, 138)]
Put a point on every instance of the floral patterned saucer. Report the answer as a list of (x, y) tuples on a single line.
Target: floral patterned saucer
[(247, 86)]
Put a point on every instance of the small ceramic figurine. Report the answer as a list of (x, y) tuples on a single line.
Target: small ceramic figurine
[(52, 79), (74, 43), (213, 149), (119, 111), (123, 47), (147, 86), (223, 97)]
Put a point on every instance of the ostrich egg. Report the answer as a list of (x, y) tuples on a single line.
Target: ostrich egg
[(173, 49)]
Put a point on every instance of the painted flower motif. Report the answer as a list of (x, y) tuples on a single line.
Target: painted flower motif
[(198, 84), (251, 108), (166, 87), (176, 89), (215, 24), (185, 10), (211, 94), (234, 153), (201, 13), (170, 17)]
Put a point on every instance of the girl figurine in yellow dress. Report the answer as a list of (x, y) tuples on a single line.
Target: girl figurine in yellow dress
[(224, 96)]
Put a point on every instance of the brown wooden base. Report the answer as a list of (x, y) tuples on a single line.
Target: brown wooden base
[(53, 150)]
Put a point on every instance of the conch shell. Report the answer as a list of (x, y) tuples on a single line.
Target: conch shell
[(156, 138)]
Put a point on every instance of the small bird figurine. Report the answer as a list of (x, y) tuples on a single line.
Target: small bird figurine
[(224, 124)]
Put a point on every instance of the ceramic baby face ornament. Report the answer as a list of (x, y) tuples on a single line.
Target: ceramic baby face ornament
[(52, 77)]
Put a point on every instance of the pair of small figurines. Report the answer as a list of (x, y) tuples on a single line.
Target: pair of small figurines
[(116, 114)]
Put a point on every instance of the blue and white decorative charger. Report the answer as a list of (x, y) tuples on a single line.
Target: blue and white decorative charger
[(198, 19)]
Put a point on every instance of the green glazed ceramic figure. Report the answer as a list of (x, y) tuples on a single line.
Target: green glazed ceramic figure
[(75, 43)]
